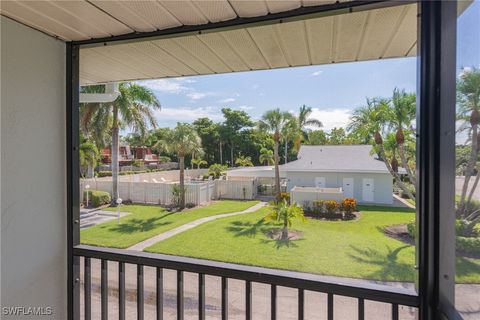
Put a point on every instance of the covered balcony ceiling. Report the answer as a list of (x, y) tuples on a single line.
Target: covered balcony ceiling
[(388, 32)]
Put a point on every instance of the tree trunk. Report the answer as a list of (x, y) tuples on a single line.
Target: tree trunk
[(115, 151), (221, 153), (231, 153), (410, 174), (285, 227), (277, 170), (399, 182), (89, 171), (468, 171), (286, 150), (181, 163), (472, 190)]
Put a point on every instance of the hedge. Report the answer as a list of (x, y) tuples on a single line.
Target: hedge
[(97, 198), (468, 245)]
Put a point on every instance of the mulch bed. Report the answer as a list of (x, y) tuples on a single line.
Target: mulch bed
[(333, 217), (276, 234)]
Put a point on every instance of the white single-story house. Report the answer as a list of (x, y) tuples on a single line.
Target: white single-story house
[(353, 168), (350, 167)]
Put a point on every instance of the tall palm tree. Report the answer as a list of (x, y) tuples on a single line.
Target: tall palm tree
[(368, 123), (468, 88), (273, 122), (134, 108), (303, 121), (266, 156), (403, 111), (183, 140), (290, 131)]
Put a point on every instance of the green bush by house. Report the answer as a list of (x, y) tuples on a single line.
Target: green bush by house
[(97, 198), (468, 245)]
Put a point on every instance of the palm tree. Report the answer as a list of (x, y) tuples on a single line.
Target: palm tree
[(266, 157), (303, 121), (244, 161), (281, 211), (273, 122), (290, 131), (183, 140), (133, 108), (88, 156), (199, 162), (468, 88), (367, 123), (403, 111)]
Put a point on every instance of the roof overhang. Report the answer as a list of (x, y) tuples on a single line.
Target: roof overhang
[(133, 40)]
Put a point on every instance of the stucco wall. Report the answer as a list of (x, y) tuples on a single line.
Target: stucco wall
[(383, 183), (33, 182)]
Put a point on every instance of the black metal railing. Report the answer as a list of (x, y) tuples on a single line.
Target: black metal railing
[(302, 282)]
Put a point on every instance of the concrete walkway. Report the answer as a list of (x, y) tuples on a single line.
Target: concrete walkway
[(149, 242)]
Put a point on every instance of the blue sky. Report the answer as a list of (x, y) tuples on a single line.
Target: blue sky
[(333, 91)]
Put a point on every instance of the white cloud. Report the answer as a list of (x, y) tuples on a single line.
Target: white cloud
[(227, 100), (245, 108), (317, 73), (184, 114), (332, 118), (195, 95)]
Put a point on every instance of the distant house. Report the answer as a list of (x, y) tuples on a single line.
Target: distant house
[(352, 168)]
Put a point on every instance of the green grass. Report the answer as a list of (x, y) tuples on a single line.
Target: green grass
[(357, 249), (146, 221)]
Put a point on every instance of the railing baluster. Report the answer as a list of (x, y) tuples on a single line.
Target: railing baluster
[(140, 304), (273, 302), (201, 296), (121, 290), (87, 289), (104, 289), (301, 304), (159, 294), (361, 309), (394, 311), (248, 300), (330, 307), (179, 295), (224, 298)]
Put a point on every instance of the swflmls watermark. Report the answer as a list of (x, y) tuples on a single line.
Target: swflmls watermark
[(27, 311)]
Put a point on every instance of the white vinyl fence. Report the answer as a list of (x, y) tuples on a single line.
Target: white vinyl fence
[(197, 193)]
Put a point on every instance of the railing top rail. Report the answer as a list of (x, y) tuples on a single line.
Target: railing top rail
[(292, 279)]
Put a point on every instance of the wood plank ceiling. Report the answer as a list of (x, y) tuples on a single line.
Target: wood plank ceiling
[(366, 35)]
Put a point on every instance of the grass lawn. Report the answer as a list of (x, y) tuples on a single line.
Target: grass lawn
[(146, 221), (357, 249)]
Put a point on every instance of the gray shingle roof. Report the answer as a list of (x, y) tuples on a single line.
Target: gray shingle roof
[(356, 158)]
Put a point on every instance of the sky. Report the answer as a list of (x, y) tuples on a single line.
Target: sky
[(333, 91)]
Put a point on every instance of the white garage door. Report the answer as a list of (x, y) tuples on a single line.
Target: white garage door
[(367, 190)]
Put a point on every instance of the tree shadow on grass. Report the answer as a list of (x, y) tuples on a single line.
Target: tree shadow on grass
[(250, 230), (466, 267), (390, 268), (138, 225)]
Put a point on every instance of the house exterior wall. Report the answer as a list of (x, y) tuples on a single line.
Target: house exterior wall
[(33, 171), (383, 183)]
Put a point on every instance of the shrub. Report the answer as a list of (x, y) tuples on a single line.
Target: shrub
[(331, 206), (285, 196), (468, 244), (411, 228), (349, 205), (318, 206), (216, 170), (138, 163), (97, 198), (190, 205), (463, 228), (476, 229)]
